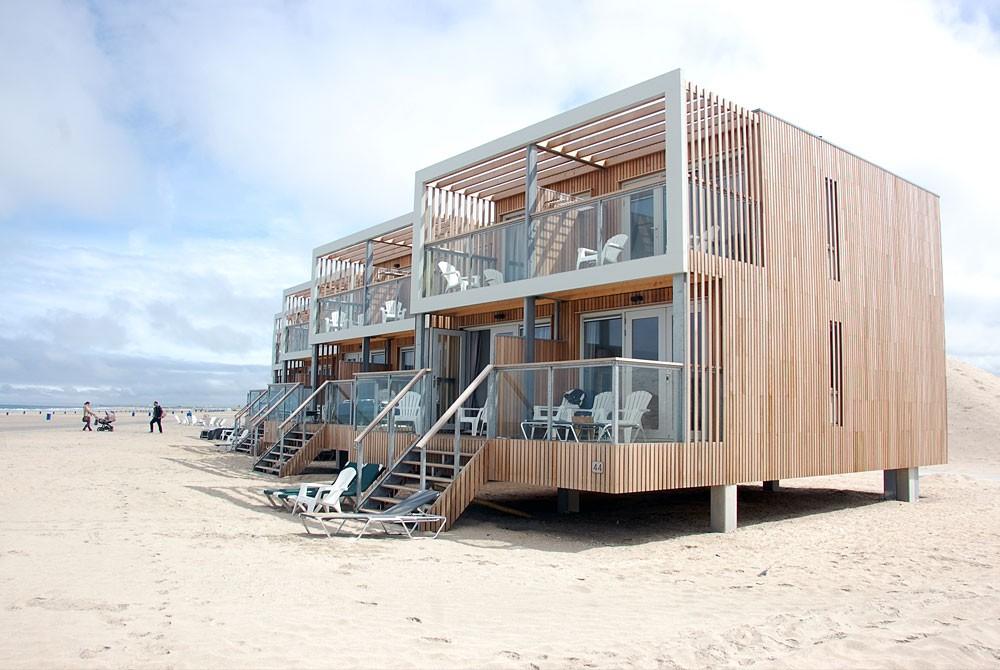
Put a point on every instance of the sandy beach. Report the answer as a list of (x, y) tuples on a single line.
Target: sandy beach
[(127, 549)]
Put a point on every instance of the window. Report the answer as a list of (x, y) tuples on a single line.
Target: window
[(543, 330), (836, 374), (407, 358), (831, 201), (355, 356)]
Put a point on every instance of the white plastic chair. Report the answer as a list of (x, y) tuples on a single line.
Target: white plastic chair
[(492, 277), (325, 496), (630, 417), (333, 322), (611, 252), (604, 404), (393, 310), (179, 420), (452, 277), (408, 409), (475, 417)]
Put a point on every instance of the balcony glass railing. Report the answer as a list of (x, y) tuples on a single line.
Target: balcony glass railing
[(612, 400), (373, 391), (602, 231), (296, 337), (383, 302)]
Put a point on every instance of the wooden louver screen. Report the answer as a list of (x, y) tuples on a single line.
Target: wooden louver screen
[(836, 373), (831, 194)]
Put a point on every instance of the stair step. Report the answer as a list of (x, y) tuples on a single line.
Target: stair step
[(416, 475), (447, 453), (264, 468), (430, 464)]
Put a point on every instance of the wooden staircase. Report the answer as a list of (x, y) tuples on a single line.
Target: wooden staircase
[(457, 489), (274, 460), (246, 446)]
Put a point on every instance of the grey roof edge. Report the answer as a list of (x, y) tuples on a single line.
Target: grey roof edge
[(364, 234), (304, 286), (537, 131), (846, 151)]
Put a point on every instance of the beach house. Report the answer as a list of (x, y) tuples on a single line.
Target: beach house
[(658, 289)]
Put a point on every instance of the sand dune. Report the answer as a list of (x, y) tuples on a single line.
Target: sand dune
[(138, 550)]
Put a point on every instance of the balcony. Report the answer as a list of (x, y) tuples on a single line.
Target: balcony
[(593, 234), (384, 302), (296, 338), (362, 283), (612, 401)]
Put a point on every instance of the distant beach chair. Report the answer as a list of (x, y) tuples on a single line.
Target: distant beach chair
[(179, 420), (405, 514)]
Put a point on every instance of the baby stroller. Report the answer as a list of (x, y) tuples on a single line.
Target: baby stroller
[(107, 422)]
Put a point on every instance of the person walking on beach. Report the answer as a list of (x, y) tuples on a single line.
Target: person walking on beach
[(157, 417), (88, 415)]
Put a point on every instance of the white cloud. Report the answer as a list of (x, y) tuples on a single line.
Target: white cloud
[(60, 141), (332, 107)]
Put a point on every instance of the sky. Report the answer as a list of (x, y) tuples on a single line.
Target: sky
[(167, 167)]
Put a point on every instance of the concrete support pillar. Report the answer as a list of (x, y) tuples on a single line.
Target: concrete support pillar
[(772, 486), (902, 484), (723, 504), (568, 501)]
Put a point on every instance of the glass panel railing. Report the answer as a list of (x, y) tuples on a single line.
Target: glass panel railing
[(603, 231), (374, 390), (341, 311), (383, 302), (297, 337), (388, 301), (618, 401)]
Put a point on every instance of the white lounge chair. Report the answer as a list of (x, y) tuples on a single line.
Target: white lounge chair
[(327, 496), (629, 417), (405, 514), (452, 277), (236, 439), (611, 252), (179, 419), (393, 310), (492, 277)]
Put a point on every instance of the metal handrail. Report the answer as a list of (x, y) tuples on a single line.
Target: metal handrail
[(359, 446), (284, 429), (592, 362), (247, 407), (382, 373), (448, 413), (391, 404), (263, 414)]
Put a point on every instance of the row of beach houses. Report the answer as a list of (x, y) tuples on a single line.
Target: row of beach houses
[(658, 289)]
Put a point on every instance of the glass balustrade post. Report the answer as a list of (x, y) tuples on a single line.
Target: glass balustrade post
[(550, 376), (616, 393), (491, 405)]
